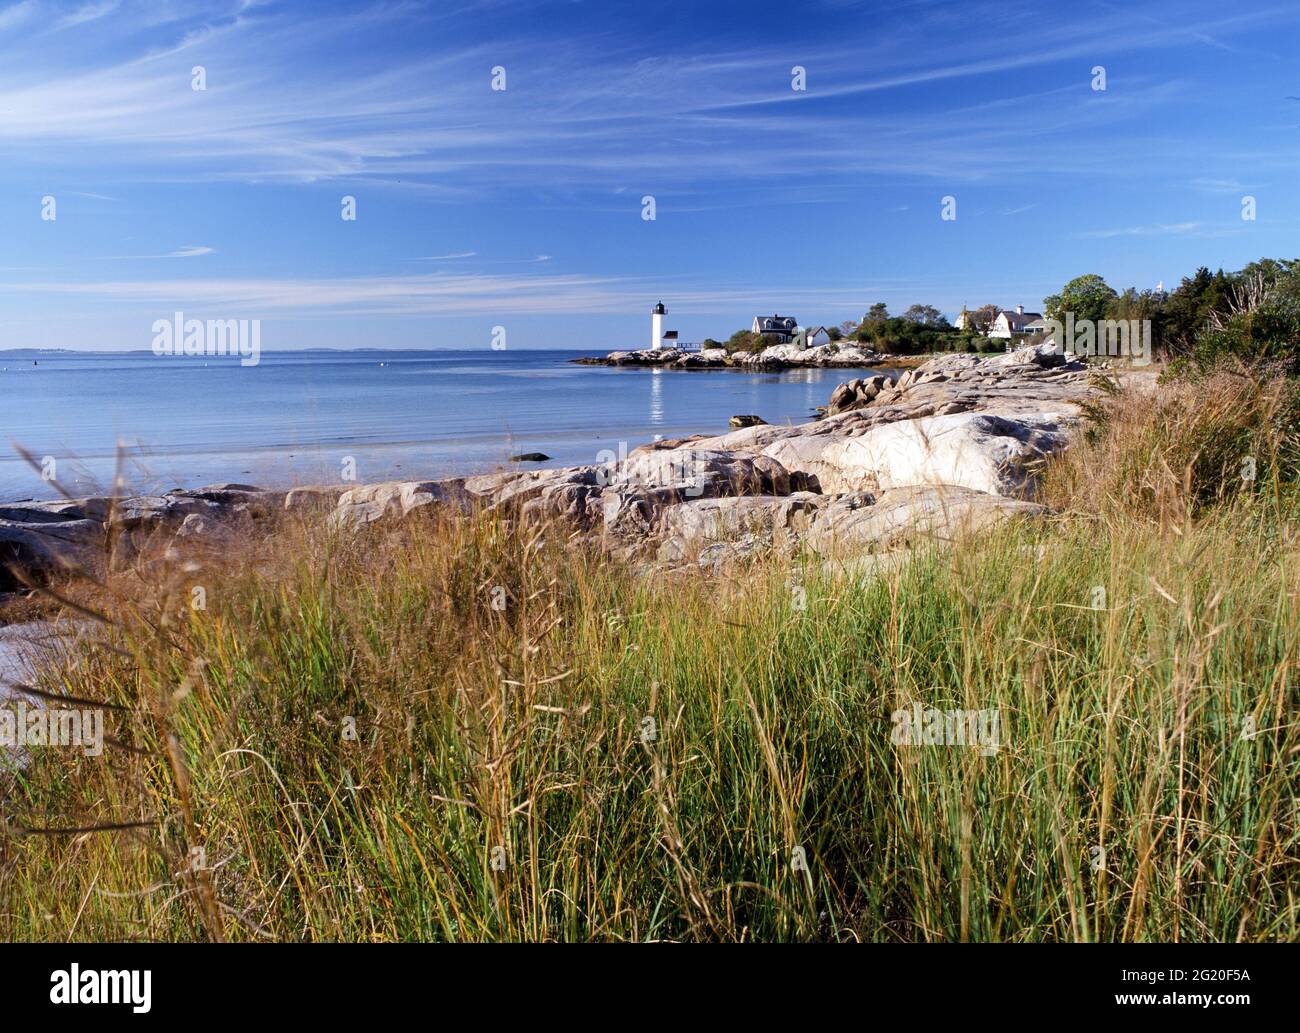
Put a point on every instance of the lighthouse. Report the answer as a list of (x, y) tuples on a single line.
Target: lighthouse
[(657, 327)]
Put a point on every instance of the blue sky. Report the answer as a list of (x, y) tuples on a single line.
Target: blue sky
[(522, 208)]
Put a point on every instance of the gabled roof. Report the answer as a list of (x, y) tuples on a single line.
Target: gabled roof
[(1020, 318)]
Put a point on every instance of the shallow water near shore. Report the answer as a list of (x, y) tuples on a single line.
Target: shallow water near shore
[(297, 416)]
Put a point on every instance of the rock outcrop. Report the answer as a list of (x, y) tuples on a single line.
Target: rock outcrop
[(993, 454), (395, 499), (40, 540), (778, 356), (946, 449), (854, 394), (902, 516)]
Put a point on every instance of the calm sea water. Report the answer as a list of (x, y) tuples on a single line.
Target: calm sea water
[(295, 417)]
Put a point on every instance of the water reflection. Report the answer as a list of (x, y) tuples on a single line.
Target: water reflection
[(656, 396)]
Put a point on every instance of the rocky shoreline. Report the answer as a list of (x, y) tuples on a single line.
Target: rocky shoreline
[(779, 356), (950, 446)]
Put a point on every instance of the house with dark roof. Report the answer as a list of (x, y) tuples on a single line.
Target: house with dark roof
[(776, 329)]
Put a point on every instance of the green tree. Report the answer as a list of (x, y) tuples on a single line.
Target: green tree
[(744, 341), (925, 315), (1188, 309), (877, 314), (1135, 304), (1088, 297)]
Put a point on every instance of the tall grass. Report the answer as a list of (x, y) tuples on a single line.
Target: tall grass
[(1168, 454), (615, 756)]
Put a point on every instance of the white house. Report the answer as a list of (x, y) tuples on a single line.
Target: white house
[(1013, 324), (813, 337)]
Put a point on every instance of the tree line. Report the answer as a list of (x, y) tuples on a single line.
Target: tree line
[(1252, 313)]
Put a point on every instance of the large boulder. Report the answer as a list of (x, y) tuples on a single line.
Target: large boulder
[(845, 356), (43, 539), (976, 450), (39, 550), (240, 499), (720, 519), (313, 498), (849, 355), (647, 483), (369, 503), (854, 394), (709, 473), (706, 358), (643, 357), (1044, 356), (806, 453), (147, 512), (48, 512), (570, 501), (903, 516), (511, 489)]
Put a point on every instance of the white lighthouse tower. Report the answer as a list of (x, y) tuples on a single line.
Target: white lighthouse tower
[(657, 327)]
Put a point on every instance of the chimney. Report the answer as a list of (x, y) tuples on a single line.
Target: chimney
[(1020, 310)]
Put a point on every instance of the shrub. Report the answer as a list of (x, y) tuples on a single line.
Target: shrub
[(1195, 441), (1270, 332), (745, 341)]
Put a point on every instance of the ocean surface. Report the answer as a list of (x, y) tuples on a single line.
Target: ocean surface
[(297, 417)]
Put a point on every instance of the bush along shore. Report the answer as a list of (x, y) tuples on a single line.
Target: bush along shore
[(1003, 650)]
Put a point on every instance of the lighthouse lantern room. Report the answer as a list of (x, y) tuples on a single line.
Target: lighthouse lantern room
[(657, 327)]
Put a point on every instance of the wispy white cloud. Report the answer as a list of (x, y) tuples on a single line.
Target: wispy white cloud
[(1218, 186), (273, 111), (1157, 230), (16, 14), (86, 13), (189, 251), (949, 97), (443, 294)]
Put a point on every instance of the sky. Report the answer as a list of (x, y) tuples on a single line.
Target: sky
[(525, 207)]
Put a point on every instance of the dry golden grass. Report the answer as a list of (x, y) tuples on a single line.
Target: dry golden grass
[(614, 756)]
